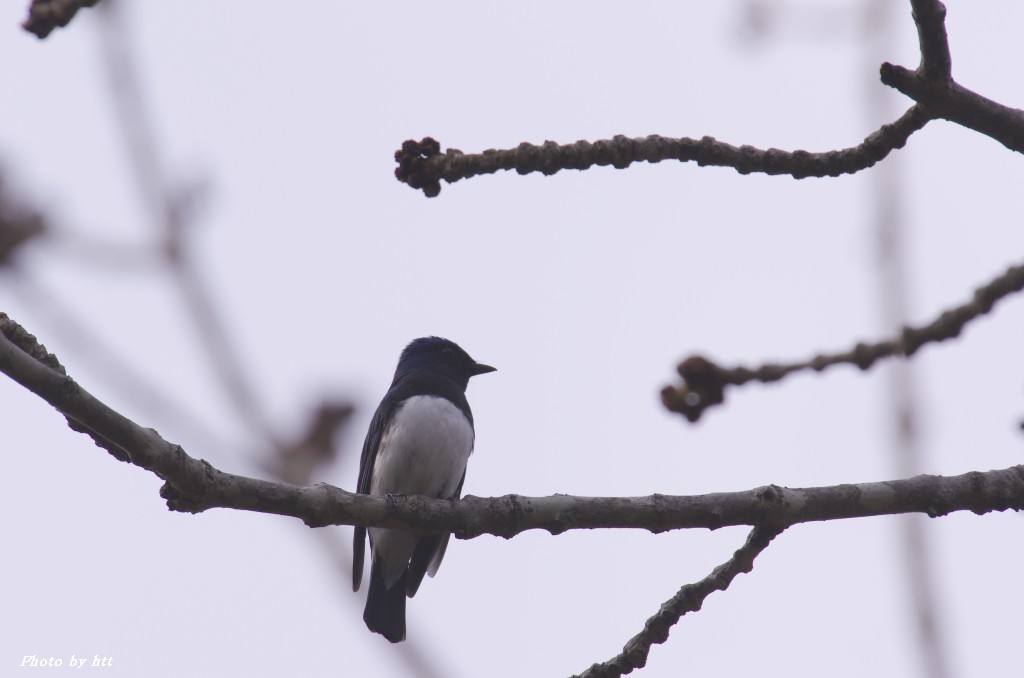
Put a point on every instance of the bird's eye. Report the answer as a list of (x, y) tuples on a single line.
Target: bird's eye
[(448, 350)]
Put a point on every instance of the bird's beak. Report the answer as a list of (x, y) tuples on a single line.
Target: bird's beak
[(479, 368)]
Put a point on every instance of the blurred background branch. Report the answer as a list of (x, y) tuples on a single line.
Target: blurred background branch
[(902, 406)]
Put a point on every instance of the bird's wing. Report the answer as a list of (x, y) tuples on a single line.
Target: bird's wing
[(380, 419), (435, 562), (422, 557), (429, 553)]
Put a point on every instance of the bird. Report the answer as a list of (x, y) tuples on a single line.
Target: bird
[(418, 443)]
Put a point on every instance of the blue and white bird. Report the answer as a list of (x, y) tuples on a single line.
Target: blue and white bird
[(419, 441)]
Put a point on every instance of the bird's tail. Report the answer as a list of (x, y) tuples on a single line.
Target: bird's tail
[(385, 608)]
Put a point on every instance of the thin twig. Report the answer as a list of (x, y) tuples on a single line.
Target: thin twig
[(689, 598), (704, 382), (421, 164)]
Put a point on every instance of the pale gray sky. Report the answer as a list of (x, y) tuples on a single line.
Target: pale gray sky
[(583, 289)]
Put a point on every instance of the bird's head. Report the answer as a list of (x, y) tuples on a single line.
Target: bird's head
[(439, 356)]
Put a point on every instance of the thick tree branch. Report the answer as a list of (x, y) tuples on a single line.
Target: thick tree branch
[(689, 598), (930, 19), (423, 166), (950, 101), (704, 382), (46, 15), (932, 85), (194, 485)]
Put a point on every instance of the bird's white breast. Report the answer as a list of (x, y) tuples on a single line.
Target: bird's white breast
[(424, 450)]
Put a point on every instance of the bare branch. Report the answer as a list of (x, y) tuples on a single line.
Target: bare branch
[(689, 598), (704, 382), (422, 165), (46, 15), (194, 485), (930, 18), (950, 101), (932, 85)]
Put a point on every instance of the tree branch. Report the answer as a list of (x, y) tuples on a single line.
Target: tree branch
[(930, 19), (421, 164), (704, 382), (194, 485), (950, 101), (689, 598), (932, 85), (903, 408)]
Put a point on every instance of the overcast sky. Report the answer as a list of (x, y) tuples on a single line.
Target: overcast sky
[(584, 289)]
